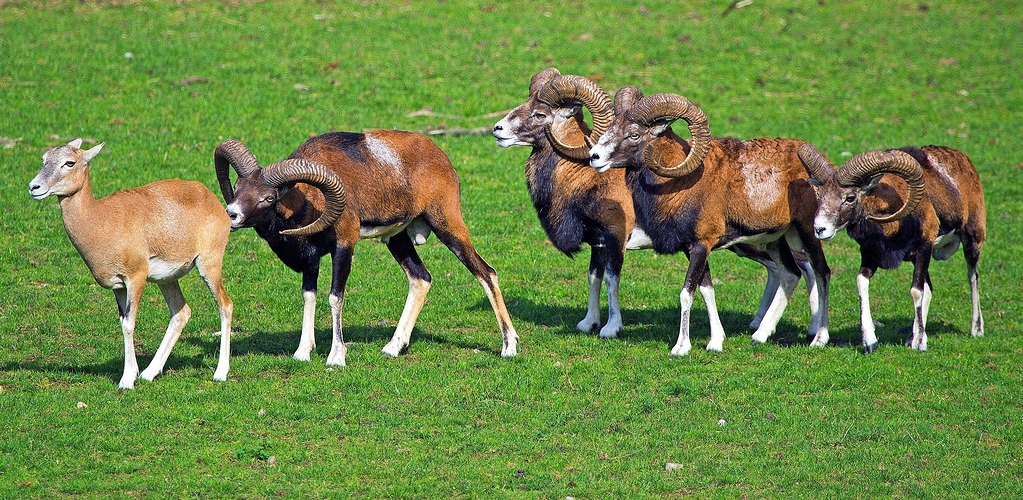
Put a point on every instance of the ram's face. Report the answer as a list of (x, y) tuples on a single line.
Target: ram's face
[(524, 125), (621, 146), (836, 207), (253, 202)]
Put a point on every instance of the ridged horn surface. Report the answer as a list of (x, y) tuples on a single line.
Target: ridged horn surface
[(871, 163), (566, 88), (540, 78), (233, 154), (673, 107), (816, 164), (314, 174)]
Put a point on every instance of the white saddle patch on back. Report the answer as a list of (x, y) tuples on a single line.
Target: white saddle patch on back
[(382, 152)]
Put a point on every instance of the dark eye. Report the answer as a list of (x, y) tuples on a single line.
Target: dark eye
[(539, 116), (850, 199), (634, 136), (269, 199), (69, 164)]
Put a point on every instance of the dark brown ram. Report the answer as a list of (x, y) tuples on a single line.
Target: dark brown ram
[(910, 205), (392, 185)]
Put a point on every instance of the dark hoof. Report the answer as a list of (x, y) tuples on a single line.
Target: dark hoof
[(754, 343), (870, 349)]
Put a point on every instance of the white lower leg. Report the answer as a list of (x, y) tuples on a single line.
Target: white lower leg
[(921, 301), (717, 331), (787, 285), (308, 340), (614, 312), (866, 322), (977, 323), (131, 365), (413, 304), (592, 319), (769, 291), (177, 323), (224, 359), (510, 339), (683, 345), (338, 350)]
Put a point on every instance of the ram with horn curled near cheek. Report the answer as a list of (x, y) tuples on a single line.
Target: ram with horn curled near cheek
[(909, 204), (341, 187)]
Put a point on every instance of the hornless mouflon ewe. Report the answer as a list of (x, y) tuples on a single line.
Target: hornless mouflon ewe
[(157, 232), (934, 203), (710, 193), (339, 188)]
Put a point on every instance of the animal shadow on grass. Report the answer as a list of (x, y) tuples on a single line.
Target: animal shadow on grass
[(658, 325)]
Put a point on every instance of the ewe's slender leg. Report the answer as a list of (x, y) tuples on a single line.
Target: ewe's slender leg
[(452, 232), (308, 339), (866, 322), (210, 270), (179, 315), (717, 332), (128, 299), (342, 266), (595, 277), (419, 280)]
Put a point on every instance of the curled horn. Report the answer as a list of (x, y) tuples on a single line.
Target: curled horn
[(671, 107), (232, 153), (561, 89), (316, 175), (871, 163), (542, 77), (626, 97), (816, 164)]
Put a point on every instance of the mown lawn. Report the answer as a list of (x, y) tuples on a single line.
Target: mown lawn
[(164, 82)]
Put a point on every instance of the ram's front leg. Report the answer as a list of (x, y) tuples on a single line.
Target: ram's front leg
[(308, 339), (694, 276), (921, 293), (342, 266), (866, 321)]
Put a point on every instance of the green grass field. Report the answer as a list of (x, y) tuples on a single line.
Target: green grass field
[(164, 82)]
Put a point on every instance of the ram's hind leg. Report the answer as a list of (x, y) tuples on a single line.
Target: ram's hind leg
[(179, 315), (971, 250), (452, 232), (419, 281)]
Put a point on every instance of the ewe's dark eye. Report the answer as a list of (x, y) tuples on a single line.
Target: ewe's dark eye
[(69, 164)]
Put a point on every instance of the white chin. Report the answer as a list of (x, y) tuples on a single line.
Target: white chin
[(505, 142), (601, 168)]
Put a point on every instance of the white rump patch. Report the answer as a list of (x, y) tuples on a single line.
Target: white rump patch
[(382, 151), (639, 240)]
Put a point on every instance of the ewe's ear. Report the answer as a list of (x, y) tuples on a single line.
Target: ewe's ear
[(77, 143), (90, 154)]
